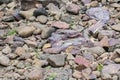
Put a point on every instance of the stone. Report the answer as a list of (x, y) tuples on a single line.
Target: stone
[(104, 42), (77, 74), (48, 45), (82, 61), (53, 10), (31, 43), (46, 32), (27, 14), (42, 19), (4, 60), (117, 60), (19, 51), (7, 50), (106, 77), (73, 8), (25, 31), (116, 27), (57, 60), (60, 24), (115, 77), (96, 50), (36, 74), (86, 1), (40, 11), (98, 13), (97, 73), (111, 69)]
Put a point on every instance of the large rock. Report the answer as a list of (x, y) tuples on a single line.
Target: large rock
[(7, 50), (25, 31), (57, 60)]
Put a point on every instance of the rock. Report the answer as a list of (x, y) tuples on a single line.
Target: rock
[(73, 8), (116, 27), (111, 69), (31, 43), (115, 77), (108, 33), (25, 31), (117, 60), (48, 45), (36, 74), (117, 51), (57, 60), (89, 56), (42, 19), (4, 60), (106, 77), (82, 61), (7, 50), (116, 5), (77, 74), (97, 73), (19, 51), (86, 1), (96, 50), (1, 14), (94, 4), (46, 32), (53, 10), (98, 13), (60, 24), (27, 14), (40, 11), (104, 42), (8, 19)]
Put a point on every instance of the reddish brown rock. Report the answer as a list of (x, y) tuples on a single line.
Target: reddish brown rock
[(59, 24), (82, 61), (104, 42)]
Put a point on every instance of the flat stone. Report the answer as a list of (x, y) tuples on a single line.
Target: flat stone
[(77, 74), (19, 51), (60, 24), (57, 60)]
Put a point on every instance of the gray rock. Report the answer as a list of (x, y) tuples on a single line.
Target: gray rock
[(46, 32), (57, 60), (96, 50), (4, 60)]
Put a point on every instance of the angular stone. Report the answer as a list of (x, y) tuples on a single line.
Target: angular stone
[(116, 27), (73, 8), (4, 60), (82, 61), (57, 60)]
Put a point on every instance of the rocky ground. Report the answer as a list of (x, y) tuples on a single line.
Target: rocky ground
[(60, 40)]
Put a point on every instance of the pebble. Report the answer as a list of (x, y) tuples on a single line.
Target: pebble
[(40, 11), (7, 50), (4, 60), (60, 24), (77, 74), (97, 73), (36, 74), (19, 51), (96, 50), (73, 8), (57, 60), (25, 31), (46, 32), (27, 14), (117, 60), (42, 19)]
